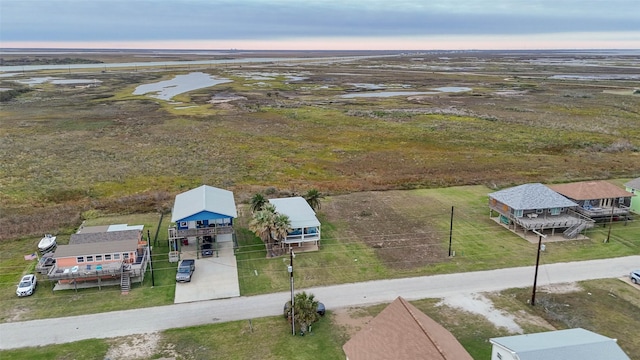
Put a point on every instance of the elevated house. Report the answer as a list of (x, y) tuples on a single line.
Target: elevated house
[(536, 207), (200, 214), (400, 332), (597, 200), (305, 226), (101, 256), (570, 344), (633, 187)]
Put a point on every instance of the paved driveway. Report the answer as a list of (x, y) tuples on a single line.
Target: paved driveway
[(153, 319), (215, 277)]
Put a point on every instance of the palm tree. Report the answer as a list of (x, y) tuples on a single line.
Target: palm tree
[(281, 227), (257, 202), (313, 197), (261, 224), (306, 310), (267, 223)]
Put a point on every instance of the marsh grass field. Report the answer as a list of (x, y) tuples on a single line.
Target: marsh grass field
[(391, 168)]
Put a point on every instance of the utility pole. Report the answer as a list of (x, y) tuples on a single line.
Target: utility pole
[(290, 269), (450, 231), (535, 277), (610, 224)]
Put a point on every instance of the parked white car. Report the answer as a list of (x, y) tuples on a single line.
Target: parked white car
[(27, 285), (635, 276)]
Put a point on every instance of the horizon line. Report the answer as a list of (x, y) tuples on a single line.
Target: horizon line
[(308, 50)]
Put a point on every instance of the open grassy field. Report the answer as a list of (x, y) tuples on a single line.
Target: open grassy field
[(392, 167), (70, 149), (587, 305)]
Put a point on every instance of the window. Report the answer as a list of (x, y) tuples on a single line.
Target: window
[(107, 257), (125, 256), (80, 259), (98, 257), (517, 213), (90, 258), (116, 256), (554, 211), (621, 200)]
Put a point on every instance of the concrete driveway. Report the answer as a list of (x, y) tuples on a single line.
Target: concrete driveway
[(215, 277)]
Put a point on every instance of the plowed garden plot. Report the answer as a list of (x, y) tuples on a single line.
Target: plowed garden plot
[(398, 225)]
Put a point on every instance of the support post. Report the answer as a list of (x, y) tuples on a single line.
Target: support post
[(535, 277), (290, 269), (610, 224)]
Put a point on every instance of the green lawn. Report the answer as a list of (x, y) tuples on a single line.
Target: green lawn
[(478, 242)]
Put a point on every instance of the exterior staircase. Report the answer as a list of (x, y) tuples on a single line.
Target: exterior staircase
[(125, 281), (572, 232)]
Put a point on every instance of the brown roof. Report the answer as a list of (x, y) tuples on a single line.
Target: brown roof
[(105, 247), (590, 190), (401, 331), (97, 237)]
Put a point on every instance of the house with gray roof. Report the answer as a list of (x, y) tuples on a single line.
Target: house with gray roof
[(97, 257), (535, 206), (633, 187), (570, 344), (305, 226), (200, 214)]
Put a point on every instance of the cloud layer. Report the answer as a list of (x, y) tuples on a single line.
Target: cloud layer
[(65, 21)]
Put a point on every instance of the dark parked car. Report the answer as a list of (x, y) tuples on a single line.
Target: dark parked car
[(635, 276), (287, 309), (207, 250)]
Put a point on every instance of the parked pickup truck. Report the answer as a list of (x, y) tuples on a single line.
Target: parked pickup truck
[(186, 268)]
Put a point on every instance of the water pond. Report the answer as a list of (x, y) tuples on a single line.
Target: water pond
[(165, 90), (440, 90)]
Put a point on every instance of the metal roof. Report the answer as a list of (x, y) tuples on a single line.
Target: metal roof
[(570, 344), (207, 201), (298, 210), (531, 196)]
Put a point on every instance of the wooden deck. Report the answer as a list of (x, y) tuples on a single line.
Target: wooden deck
[(532, 237)]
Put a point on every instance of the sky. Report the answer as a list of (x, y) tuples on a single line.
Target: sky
[(321, 24)]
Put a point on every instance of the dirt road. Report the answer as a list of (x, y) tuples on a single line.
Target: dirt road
[(148, 320)]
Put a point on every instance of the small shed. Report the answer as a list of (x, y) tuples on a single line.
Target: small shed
[(570, 344)]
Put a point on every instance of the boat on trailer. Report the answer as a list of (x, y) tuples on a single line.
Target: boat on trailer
[(47, 243)]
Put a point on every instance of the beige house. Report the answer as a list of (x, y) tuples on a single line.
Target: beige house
[(400, 332)]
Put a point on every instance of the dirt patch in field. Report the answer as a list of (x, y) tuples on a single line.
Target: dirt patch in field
[(133, 347), (394, 223), (350, 320)]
